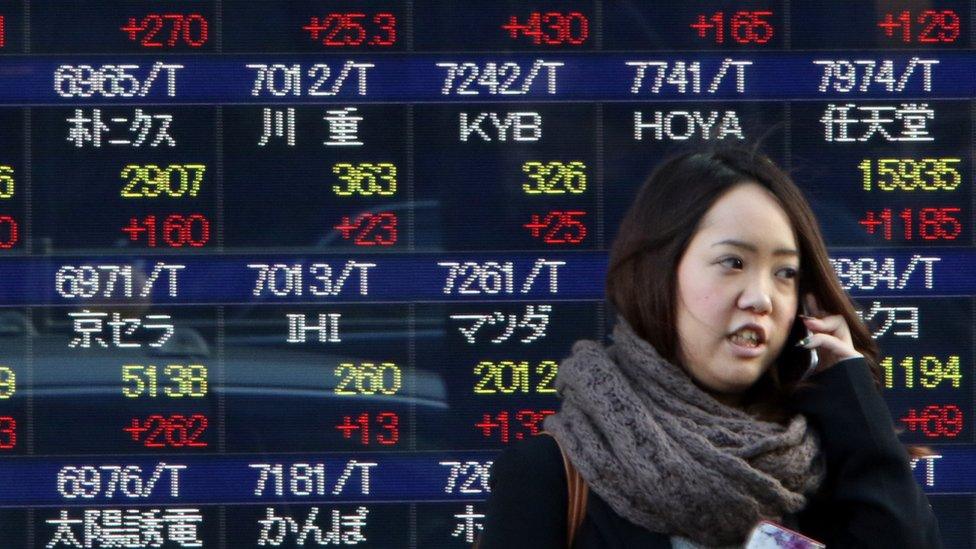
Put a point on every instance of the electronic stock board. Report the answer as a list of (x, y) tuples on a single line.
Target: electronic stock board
[(290, 274)]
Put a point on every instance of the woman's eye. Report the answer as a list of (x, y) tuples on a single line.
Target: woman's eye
[(732, 262), (788, 272)]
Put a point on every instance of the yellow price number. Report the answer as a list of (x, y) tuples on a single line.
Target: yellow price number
[(927, 372), (179, 380), (367, 378), (8, 382), (152, 181), (509, 377), (908, 174), (6, 182), (365, 179), (554, 177)]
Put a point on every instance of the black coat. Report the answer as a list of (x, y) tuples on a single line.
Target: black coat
[(868, 499)]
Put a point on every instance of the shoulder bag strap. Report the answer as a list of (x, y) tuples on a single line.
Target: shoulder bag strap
[(578, 492)]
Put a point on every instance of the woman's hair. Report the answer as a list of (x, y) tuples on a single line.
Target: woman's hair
[(653, 236)]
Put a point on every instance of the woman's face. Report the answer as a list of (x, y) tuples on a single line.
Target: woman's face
[(737, 291)]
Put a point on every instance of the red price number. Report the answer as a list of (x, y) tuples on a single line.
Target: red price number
[(175, 231), (744, 27), (338, 30), (550, 28), (935, 421), (929, 223), (927, 27), (8, 433), (169, 30), (370, 229), (175, 431), (558, 227), (515, 426), (9, 232), (387, 431)]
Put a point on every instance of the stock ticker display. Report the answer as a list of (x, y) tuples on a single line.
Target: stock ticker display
[(290, 274)]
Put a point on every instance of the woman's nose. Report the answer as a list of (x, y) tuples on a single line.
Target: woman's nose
[(756, 297)]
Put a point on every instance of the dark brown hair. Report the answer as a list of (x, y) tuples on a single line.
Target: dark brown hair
[(653, 236)]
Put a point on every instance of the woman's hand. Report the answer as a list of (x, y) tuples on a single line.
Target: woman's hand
[(829, 335)]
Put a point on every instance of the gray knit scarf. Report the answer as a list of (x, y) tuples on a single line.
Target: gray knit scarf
[(666, 455)]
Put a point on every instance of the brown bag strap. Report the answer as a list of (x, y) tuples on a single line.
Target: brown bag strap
[(578, 492)]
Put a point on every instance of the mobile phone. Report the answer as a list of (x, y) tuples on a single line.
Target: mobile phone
[(814, 359), (768, 535)]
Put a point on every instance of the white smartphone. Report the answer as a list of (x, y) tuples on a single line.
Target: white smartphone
[(814, 357)]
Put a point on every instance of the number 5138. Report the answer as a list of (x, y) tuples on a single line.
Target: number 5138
[(179, 380)]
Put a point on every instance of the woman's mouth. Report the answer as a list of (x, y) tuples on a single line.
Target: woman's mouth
[(748, 341), (745, 338)]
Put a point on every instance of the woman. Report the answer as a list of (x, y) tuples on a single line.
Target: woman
[(698, 421)]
